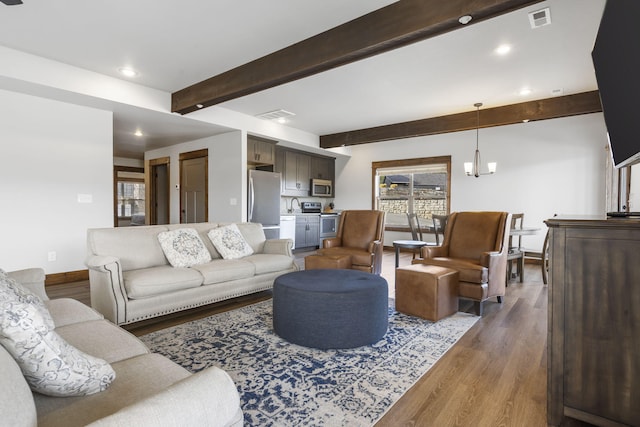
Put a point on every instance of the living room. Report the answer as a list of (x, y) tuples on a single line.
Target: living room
[(58, 124)]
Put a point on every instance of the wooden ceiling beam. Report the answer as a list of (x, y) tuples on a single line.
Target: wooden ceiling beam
[(396, 25), (543, 109)]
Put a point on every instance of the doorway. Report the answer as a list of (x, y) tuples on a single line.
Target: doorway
[(194, 186), (159, 197)]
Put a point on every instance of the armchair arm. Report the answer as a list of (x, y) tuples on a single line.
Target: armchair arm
[(32, 279), (489, 258), (278, 246), (434, 251), (208, 398), (376, 249), (332, 242)]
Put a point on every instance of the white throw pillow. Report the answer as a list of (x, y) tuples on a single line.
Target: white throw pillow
[(49, 364), (229, 242), (183, 247)]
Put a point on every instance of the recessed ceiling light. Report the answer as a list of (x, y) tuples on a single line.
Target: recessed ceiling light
[(503, 49), (138, 132), (129, 72), (525, 91)]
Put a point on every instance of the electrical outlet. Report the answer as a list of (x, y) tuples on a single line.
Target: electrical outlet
[(52, 256)]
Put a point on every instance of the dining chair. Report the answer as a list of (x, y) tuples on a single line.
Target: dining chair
[(414, 226), (516, 253), (439, 224)]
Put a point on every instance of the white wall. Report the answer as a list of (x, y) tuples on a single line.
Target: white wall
[(227, 174), (50, 152), (544, 168)]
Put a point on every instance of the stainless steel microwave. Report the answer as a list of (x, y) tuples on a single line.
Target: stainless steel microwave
[(321, 188)]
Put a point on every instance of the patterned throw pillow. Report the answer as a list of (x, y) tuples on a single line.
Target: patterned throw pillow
[(15, 290), (229, 242), (49, 364), (183, 247)]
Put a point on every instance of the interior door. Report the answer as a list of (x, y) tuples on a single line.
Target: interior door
[(193, 185), (159, 194)]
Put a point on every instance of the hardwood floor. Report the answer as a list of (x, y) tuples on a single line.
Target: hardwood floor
[(494, 376)]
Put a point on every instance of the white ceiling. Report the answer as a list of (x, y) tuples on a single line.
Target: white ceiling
[(173, 44)]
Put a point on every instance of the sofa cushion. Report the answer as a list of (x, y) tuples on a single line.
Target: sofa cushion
[(16, 401), (470, 270), (183, 247), (225, 270), (103, 339), (229, 242), (137, 378), (217, 404), (358, 256), (269, 263), (147, 282), (50, 365), (66, 311), (253, 234), (135, 247)]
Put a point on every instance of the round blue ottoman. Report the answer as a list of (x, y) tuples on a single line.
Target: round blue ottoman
[(330, 309)]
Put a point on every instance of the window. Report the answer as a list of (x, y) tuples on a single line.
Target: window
[(130, 199), (129, 196), (418, 186)]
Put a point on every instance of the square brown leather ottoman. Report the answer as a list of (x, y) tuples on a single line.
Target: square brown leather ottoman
[(315, 262), (426, 291)]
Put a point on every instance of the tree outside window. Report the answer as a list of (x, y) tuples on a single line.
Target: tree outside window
[(418, 186)]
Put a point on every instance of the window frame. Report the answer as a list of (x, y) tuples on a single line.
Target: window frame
[(416, 162)]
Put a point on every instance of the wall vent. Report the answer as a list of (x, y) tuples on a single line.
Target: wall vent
[(540, 18)]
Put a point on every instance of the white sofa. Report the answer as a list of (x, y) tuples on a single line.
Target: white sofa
[(148, 390), (132, 280)]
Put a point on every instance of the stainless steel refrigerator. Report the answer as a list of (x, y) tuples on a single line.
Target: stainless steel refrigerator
[(264, 201)]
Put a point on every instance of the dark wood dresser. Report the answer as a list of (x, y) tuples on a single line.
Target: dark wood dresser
[(594, 321)]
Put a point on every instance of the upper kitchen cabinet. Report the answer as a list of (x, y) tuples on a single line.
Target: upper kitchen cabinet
[(299, 168), (322, 168), (260, 151), (297, 174)]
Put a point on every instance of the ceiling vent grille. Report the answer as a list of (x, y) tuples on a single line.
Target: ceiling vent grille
[(540, 18), (276, 114)]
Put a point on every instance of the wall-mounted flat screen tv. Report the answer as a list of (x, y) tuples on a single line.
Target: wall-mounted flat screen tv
[(616, 60)]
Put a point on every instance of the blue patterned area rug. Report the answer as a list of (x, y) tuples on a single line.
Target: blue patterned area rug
[(283, 384)]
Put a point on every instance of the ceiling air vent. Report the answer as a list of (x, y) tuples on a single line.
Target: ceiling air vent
[(275, 115), (540, 18)]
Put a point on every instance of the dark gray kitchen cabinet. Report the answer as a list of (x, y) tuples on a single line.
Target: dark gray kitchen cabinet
[(322, 168), (307, 231), (296, 174)]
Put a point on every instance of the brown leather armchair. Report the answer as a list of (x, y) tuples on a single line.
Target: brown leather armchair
[(360, 236), (476, 245)]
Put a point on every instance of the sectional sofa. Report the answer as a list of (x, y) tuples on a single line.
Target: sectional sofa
[(138, 273), (139, 388)]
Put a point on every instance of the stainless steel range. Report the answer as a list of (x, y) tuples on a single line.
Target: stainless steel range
[(328, 221)]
